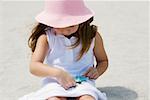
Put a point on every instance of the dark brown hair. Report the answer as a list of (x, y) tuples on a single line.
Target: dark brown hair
[(85, 35)]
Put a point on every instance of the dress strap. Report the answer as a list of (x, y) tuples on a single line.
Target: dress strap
[(93, 43), (50, 37)]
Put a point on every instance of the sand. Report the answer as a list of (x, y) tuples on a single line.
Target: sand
[(123, 26)]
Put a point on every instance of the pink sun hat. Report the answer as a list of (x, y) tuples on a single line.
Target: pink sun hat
[(64, 13)]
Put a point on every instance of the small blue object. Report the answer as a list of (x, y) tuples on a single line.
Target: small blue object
[(80, 79)]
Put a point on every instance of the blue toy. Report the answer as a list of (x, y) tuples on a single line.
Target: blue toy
[(80, 79)]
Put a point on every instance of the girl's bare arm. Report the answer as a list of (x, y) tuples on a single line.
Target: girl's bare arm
[(42, 70), (100, 55), (36, 65)]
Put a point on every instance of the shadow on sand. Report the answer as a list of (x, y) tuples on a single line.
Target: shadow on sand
[(119, 93)]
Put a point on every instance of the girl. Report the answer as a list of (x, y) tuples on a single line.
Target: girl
[(64, 45)]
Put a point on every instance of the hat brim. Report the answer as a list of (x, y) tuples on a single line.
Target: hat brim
[(61, 21)]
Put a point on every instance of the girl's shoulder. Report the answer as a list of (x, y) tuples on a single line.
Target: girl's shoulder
[(42, 39), (98, 37), (98, 34)]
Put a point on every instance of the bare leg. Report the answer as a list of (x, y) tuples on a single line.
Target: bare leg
[(85, 97)]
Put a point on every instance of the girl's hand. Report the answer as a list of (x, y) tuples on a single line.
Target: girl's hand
[(92, 73), (65, 79)]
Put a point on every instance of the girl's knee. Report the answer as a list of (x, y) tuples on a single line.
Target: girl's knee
[(53, 98), (86, 97), (56, 98)]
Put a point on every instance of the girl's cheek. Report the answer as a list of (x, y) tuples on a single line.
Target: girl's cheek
[(75, 29)]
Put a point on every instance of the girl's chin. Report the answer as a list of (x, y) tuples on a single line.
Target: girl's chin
[(67, 34), (64, 34)]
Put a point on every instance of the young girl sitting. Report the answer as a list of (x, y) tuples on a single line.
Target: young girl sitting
[(64, 45)]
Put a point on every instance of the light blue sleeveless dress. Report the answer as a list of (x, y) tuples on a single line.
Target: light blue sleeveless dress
[(61, 56)]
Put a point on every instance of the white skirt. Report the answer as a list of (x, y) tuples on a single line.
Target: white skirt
[(55, 89)]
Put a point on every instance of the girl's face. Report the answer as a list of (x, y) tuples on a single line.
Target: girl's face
[(67, 30)]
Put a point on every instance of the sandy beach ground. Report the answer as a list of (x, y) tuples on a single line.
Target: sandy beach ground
[(123, 26)]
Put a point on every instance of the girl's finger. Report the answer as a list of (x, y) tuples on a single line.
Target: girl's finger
[(64, 85), (93, 76), (87, 72), (90, 73), (70, 83), (93, 73)]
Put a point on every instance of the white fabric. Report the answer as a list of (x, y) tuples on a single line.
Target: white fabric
[(62, 57), (54, 89)]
